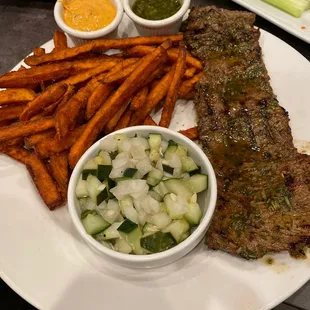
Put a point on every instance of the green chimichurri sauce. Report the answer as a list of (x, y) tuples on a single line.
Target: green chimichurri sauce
[(156, 9)]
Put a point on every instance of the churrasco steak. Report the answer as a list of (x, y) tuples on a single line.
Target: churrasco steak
[(263, 183)]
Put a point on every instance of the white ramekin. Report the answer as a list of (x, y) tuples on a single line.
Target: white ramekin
[(81, 37), (206, 200), (145, 27)]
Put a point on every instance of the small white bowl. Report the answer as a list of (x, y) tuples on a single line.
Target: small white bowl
[(206, 200), (145, 27), (81, 37)]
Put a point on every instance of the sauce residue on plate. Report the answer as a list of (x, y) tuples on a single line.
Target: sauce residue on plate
[(85, 15), (156, 9), (276, 266)]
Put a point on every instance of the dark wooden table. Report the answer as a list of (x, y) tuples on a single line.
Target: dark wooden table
[(25, 24)]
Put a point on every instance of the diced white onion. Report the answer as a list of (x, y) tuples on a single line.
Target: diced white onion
[(108, 144), (144, 166)]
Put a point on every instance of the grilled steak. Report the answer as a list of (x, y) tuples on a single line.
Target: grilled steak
[(263, 183)]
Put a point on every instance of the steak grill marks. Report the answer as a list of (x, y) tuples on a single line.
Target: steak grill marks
[(263, 183)]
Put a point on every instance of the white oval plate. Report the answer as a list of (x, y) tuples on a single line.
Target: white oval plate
[(45, 261)]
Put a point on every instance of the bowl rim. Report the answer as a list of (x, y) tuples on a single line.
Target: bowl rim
[(156, 23), (89, 34), (201, 228)]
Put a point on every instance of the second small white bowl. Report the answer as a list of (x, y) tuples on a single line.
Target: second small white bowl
[(81, 37), (206, 200), (167, 26)]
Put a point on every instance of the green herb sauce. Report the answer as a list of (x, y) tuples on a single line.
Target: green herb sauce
[(156, 9)]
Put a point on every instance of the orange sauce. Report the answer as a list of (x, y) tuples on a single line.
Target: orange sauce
[(88, 15)]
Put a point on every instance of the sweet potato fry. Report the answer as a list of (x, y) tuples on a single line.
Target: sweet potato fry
[(124, 120), (86, 75), (121, 74), (189, 73), (52, 94), (32, 140), (67, 116), (34, 75), (16, 96), (49, 110), (188, 85), (97, 98), (38, 51), (131, 85), (115, 118), (52, 146), (191, 133), (59, 168), (39, 173), (99, 45), (24, 129), (149, 121), (141, 50), (6, 123), (189, 96), (139, 99), (11, 112), (121, 66), (153, 99), (172, 94), (16, 141), (60, 41)]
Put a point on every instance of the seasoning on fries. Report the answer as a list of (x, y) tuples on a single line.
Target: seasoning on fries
[(68, 98)]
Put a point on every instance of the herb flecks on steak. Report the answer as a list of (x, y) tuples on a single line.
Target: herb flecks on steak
[(263, 183)]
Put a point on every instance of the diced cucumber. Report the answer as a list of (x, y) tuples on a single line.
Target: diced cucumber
[(197, 183), (127, 226), (160, 219), (113, 155), (176, 206), (197, 171), (109, 211), (154, 155), (168, 169), (194, 214), (105, 193), (99, 160), (86, 212), (149, 229), (178, 187), (122, 246), (130, 173), (87, 172), (161, 189), (92, 184), (106, 157), (155, 141), (155, 195), (185, 235), (110, 233), (90, 165), (171, 149), (81, 188), (128, 210), (177, 229), (94, 223), (158, 242), (133, 238), (103, 172), (188, 164), (181, 151), (154, 177), (172, 143)]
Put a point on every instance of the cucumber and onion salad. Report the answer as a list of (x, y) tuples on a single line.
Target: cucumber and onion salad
[(139, 195)]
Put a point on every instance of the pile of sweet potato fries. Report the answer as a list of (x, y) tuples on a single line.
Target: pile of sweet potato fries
[(53, 111)]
